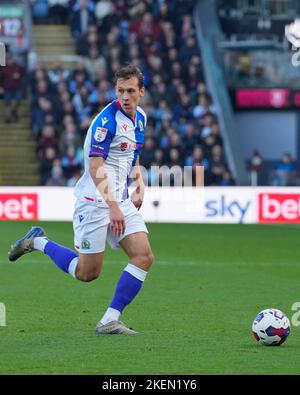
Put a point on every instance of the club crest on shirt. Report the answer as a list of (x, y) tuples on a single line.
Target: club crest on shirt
[(85, 245), (123, 146), (100, 134), (141, 126)]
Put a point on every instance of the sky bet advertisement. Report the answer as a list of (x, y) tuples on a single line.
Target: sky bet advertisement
[(233, 205)]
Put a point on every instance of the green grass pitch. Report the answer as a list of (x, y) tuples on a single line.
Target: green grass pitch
[(194, 312)]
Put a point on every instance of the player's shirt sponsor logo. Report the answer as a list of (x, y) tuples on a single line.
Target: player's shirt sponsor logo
[(125, 127), (85, 245), (130, 146), (123, 146), (100, 134)]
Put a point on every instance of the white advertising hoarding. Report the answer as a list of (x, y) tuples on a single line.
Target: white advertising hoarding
[(189, 205)]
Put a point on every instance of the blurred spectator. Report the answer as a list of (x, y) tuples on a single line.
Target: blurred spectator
[(69, 136), (73, 180), (40, 10), (188, 49), (204, 106), (145, 27), (198, 162), (71, 161), (81, 104), (215, 132), (47, 140), (46, 164), (57, 179), (58, 74), (227, 179), (284, 172), (94, 61), (256, 161), (58, 11), (243, 67), (174, 157), (80, 79), (158, 158), (256, 167), (137, 9), (189, 138), (12, 81), (147, 154), (19, 47), (82, 16), (103, 8), (43, 112)]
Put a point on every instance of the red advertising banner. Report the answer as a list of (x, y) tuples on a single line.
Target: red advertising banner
[(19, 206), (278, 208), (264, 98)]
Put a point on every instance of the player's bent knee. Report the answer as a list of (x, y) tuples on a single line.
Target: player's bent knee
[(144, 261), (87, 277), (88, 268), (150, 258)]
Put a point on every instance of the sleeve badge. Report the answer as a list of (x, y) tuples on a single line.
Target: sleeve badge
[(100, 134)]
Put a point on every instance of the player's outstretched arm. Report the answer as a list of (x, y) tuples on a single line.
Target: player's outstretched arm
[(117, 221)]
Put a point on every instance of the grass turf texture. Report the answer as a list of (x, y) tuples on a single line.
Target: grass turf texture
[(194, 313)]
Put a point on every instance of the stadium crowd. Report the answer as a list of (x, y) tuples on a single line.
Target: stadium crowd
[(157, 36)]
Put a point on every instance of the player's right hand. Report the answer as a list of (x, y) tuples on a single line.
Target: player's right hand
[(117, 220)]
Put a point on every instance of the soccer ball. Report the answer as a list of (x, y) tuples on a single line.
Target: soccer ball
[(271, 327)]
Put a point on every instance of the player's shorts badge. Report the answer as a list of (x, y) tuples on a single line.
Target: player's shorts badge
[(85, 245), (100, 134)]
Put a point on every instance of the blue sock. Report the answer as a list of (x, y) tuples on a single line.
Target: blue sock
[(127, 289), (60, 255)]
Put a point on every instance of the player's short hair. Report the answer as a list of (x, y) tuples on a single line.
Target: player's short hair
[(130, 71)]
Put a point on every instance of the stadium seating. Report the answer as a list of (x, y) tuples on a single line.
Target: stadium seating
[(159, 37)]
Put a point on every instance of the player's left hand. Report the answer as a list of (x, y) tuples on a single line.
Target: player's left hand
[(137, 197)]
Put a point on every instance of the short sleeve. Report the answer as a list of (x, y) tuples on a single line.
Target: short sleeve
[(102, 134)]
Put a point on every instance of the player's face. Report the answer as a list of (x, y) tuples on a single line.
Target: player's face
[(129, 94)]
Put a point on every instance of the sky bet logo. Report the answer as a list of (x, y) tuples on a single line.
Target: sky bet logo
[(18, 206), (227, 209), (279, 208)]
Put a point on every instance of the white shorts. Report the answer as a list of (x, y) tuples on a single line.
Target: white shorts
[(91, 226)]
